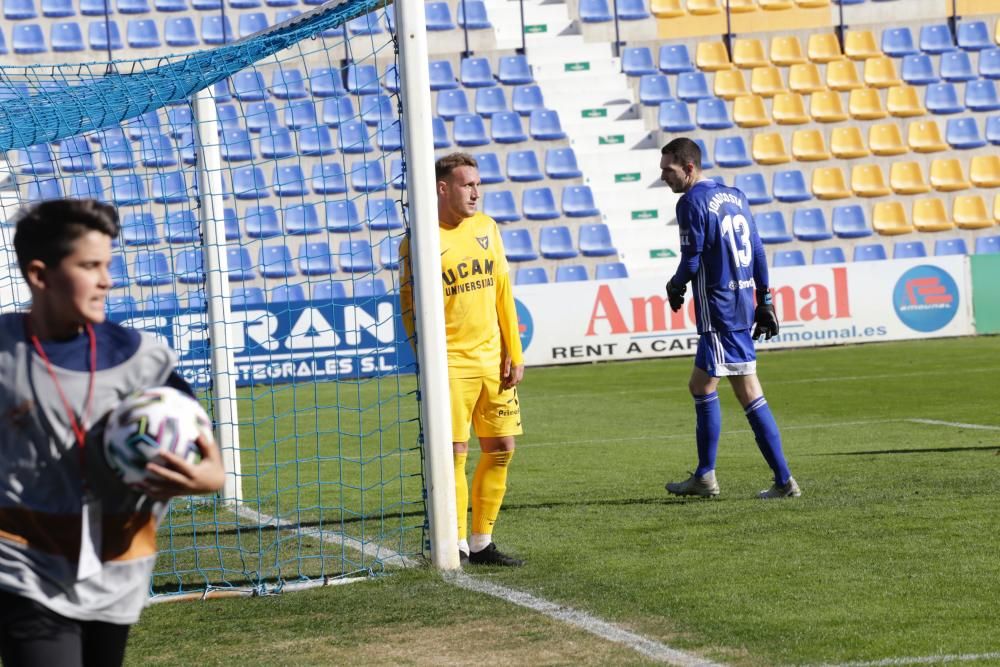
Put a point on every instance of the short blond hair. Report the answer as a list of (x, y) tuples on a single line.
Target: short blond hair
[(449, 163)]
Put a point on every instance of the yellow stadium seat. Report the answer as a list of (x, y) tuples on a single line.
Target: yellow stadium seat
[(828, 183), (712, 56), (847, 143), (985, 171), (880, 72), (947, 175), (730, 84), (889, 219), (666, 9), (930, 215), (749, 53), (789, 109), (766, 81), (804, 78), (866, 104), (969, 212), (823, 48), (996, 208), (812, 4), (776, 5), (886, 139), (924, 136), (786, 51), (703, 7), (842, 75), (826, 107), (904, 101), (907, 178), (860, 45), (749, 111), (740, 6), (770, 149), (808, 146), (867, 180)]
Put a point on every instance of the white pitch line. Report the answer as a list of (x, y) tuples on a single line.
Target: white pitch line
[(921, 660), (937, 422), (580, 619)]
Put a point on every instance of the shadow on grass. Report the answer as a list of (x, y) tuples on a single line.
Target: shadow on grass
[(925, 450)]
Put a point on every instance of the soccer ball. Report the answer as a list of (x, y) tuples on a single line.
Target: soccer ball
[(149, 422)]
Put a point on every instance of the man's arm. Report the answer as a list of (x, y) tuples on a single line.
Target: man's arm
[(512, 356), (691, 244), (764, 317), (406, 291)]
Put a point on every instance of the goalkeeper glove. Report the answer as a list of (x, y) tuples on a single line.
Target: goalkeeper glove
[(764, 317), (675, 295)]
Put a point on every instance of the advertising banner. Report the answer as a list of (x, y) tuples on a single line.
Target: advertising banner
[(986, 292), (816, 305)]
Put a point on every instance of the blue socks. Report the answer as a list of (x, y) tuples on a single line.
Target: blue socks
[(709, 426), (765, 429)]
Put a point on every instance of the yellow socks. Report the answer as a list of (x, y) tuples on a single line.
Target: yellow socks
[(462, 495), (488, 487)]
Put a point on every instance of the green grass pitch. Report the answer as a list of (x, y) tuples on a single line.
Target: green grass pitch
[(890, 553)]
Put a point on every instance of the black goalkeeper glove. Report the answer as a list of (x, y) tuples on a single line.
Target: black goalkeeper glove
[(764, 317), (675, 295)]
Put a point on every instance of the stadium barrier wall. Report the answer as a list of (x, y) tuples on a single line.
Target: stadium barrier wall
[(986, 292), (817, 305)]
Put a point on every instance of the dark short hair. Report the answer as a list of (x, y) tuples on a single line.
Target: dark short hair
[(684, 151), (449, 163), (48, 230)]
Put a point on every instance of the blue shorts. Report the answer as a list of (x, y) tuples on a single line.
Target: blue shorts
[(722, 353)]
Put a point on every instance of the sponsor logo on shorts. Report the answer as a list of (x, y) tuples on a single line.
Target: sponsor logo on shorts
[(926, 298)]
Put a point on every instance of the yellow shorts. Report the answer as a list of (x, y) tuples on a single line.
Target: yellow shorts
[(479, 401)]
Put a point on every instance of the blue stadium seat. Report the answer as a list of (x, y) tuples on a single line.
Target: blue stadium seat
[(514, 70), (36, 160), (561, 163), (470, 130), (506, 128), (142, 34), (918, 70), (530, 275), (95, 8), (127, 189), (942, 98), (151, 268), (118, 271), (654, 89), (898, 42), (396, 175), (833, 255), (631, 10), (87, 186), (390, 78), (788, 258), (104, 35), (981, 95), (974, 35), (675, 116), (168, 187), (216, 30), (27, 38), (908, 249), (950, 247), (156, 150), (442, 75), (869, 252), (318, 140), (692, 86), (19, 10), (276, 144), (611, 271), (337, 110), (388, 254), (489, 168), (987, 245), (139, 229), (367, 24), (261, 222), (235, 145), (936, 39), (675, 59), (989, 63), (522, 166), (790, 186), (342, 216), (189, 266), (706, 159), (382, 214), (249, 183), (133, 6), (438, 16), (451, 103), (993, 129), (170, 5), (370, 288), (544, 125), (712, 114), (595, 241), (248, 86), (809, 224), (180, 32), (595, 11), (182, 227), (300, 115), (963, 133), (957, 66), (732, 152), (476, 73), (849, 222), (326, 82), (328, 291), (772, 228), (230, 224), (55, 9), (556, 242), (122, 303), (179, 121), (66, 37), (244, 297), (362, 79), (571, 273), (301, 219), (288, 84), (289, 181), (754, 187), (390, 137), (163, 303), (527, 98), (539, 204), (276, 262), (638, 61), (356, 256), (440, 130), (578, 202), (207, 5), (315, 259), (490, 101), (517, 245), (368, 176), (229, 117), (472, 15), (376, 110), (328, 178), (500, 205), (75, 155), (287, 294)]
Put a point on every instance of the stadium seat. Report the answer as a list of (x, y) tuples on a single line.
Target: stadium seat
[(766, 81), (382, 214), (929, 215), (984, 171), (168, 187), (490, 101), (706, 160), (514, 70), (368, 24), (58, 8), (276, 144), (898, 42), (342, 216), (869, 252), (235, 145), (943, 247), (328, 290), (987, 245), (918, 70), (261, 222), (692, 86), (151, 268), (315, 259), (809, 224), (754, 187), (288, 84), (27, 39), (772, 228), (75, 155), (847, 143), (908, 250), (578, 202), (118, 272), (981, 95), (522, 166), (352, 137), (283, 294), (230, 224), (666, 9), (788, 258), (731, 152), (139, 229), (749, 112), (942, 99), (276, 262), (489, 168), (249, 183), (654, 89), (159, 304), (867, 180), (328, 178), (674, 59), (181, 227), (936, 39), (860, 45), (989, 63), (561, 163), (117, 154), (749, 53), (889, 219), (539, 204), (66, 37), (675, 117), (244, 297), (556, 242), (362, 79), (963, 133), (833, 255), (356, 256), (35, 160), (517, 245), (789, 109), (993, 129), (476, 73), (248, 86), (829, 183), (301, 219), (947, 175), (262, 117), (595, 11), (19, 10), (610, 271), (335, 112), (189, 266), (104, 35), (826, 107), (907, 178), (250, 23), (127, 189), (527, 98), (544, 125), (88, 186), (904, 102), (885, 139), (790, 186), (973, 35), (823, 47), (470, 130), (568, 273), (326, 82), (925, 137), (638, 61), (500, 205), (712, 56), (957, 67), (451, 103), (969, 212), (156, 150), (531, 275), (631, 10), (505, 128), (786, 51), (216, 30), (703, 7), (842, 75), (730, 84), (711, 114), (442, 76), (438, 16), (388, 254), (880, 72), (849, 222), (804, 78), (595, 241)]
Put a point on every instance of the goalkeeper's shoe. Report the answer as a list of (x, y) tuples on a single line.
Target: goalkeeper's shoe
[(790, 489), (493, 556), (704, 486)]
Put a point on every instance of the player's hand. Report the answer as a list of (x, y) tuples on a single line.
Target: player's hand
[(675, 295), (177, 477), (510, 374), (764, 317)]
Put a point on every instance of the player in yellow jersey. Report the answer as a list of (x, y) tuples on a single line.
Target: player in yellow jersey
[(485, 361)]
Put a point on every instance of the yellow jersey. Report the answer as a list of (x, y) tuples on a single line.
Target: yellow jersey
[(479, 311)]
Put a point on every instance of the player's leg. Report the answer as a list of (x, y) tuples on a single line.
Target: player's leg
[(31, 634), (463, 392), (104, 644), (708, 422)]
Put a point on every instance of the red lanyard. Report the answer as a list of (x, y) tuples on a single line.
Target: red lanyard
[(79, 426)]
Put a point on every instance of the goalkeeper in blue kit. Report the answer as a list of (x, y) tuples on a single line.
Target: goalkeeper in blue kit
[(723, 258)]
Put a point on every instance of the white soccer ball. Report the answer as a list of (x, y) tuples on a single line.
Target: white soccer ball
[(149, 422)]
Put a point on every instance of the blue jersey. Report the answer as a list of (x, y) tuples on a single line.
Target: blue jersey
[(721, 255)]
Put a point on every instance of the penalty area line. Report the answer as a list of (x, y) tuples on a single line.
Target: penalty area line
[(920, 660), (938, 422)]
